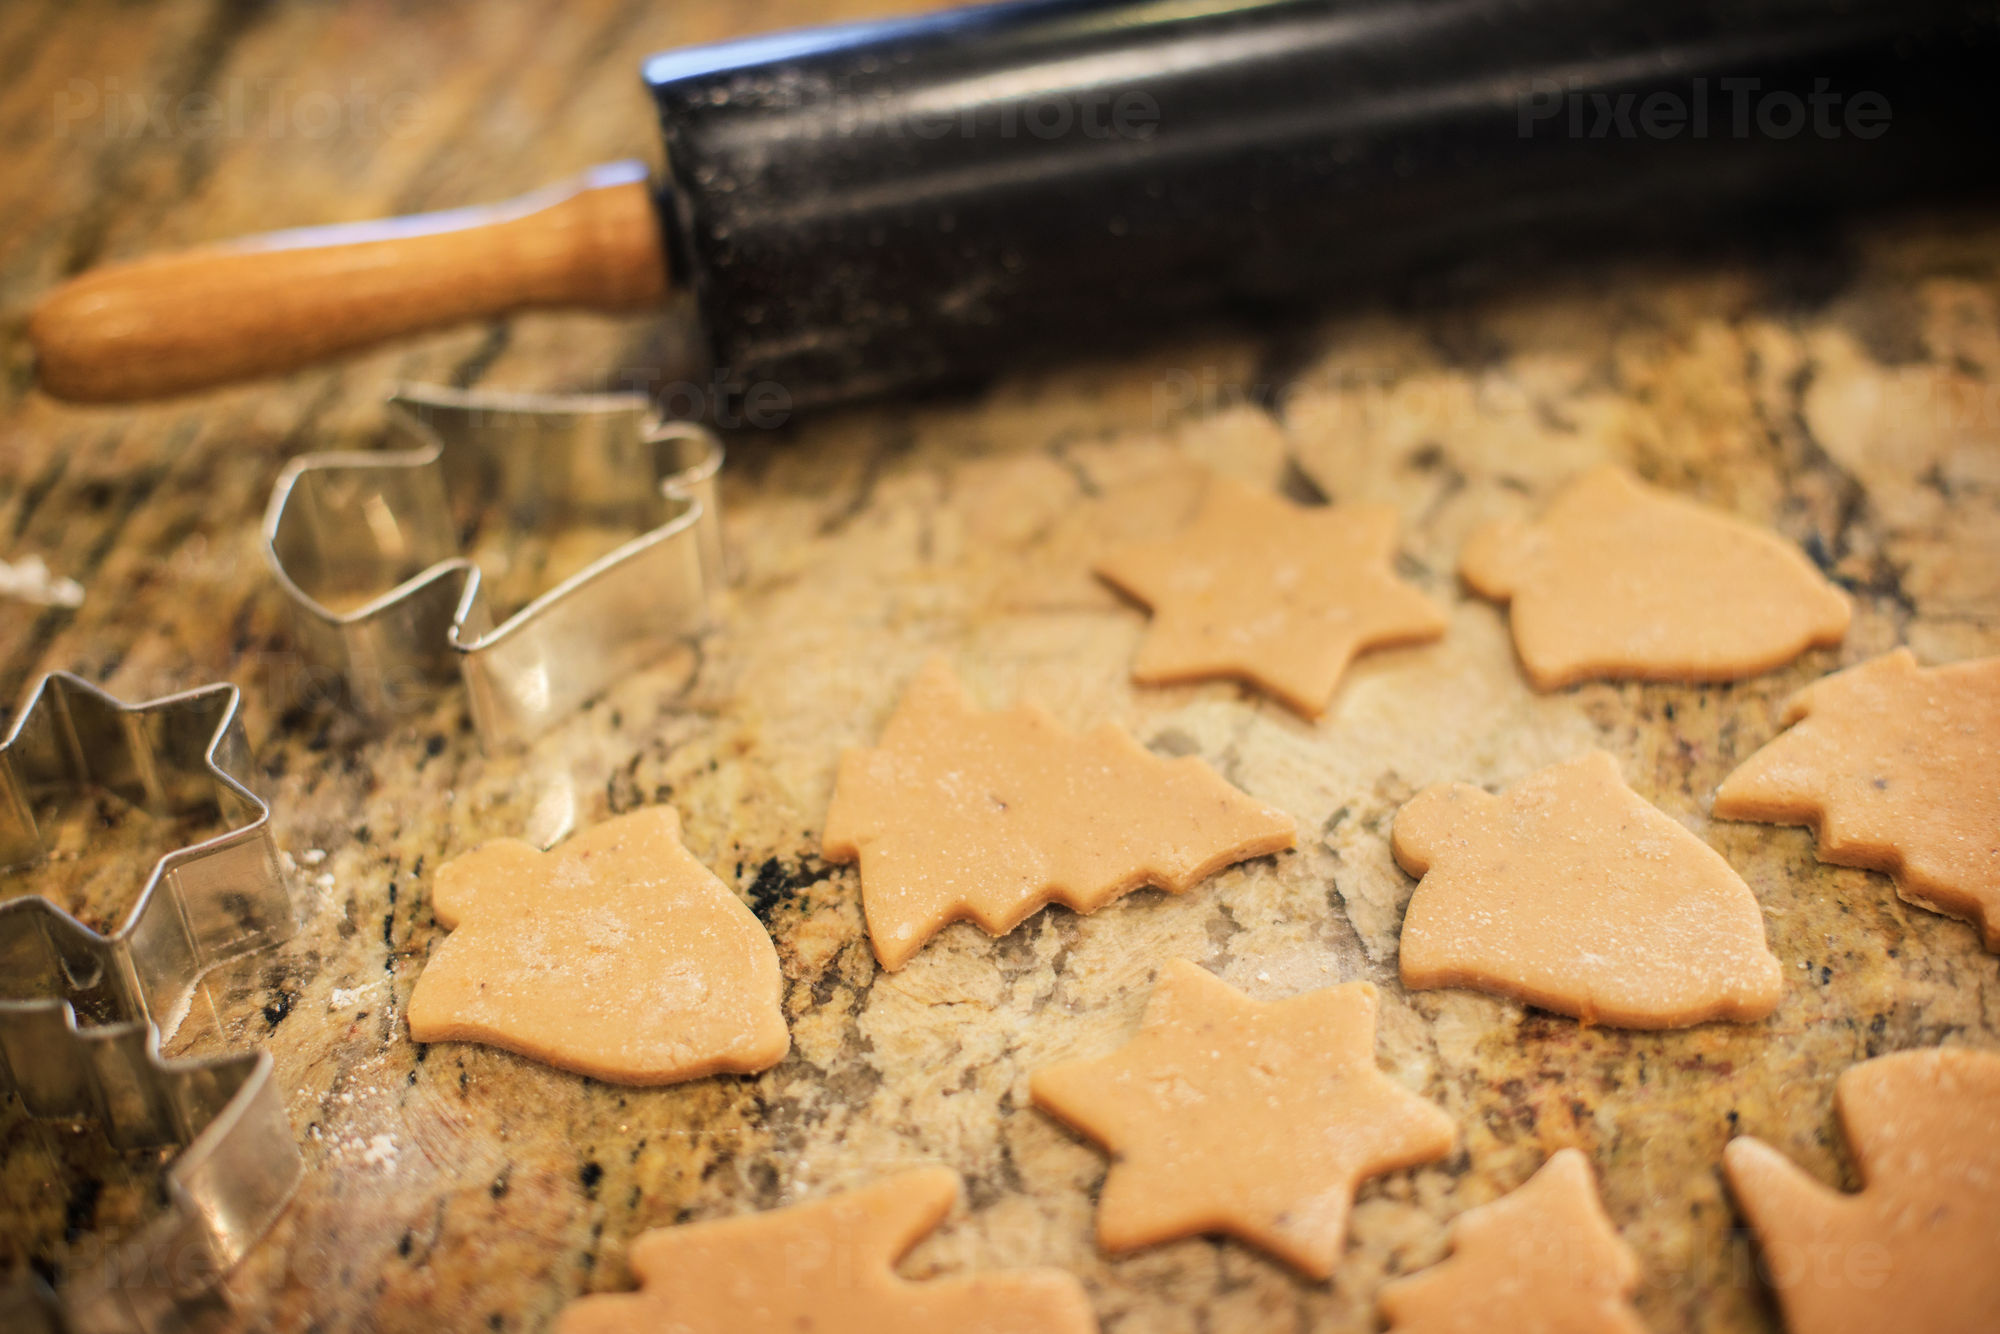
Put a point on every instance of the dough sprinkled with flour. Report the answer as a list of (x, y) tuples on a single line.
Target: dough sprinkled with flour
[(1570, 892), (616, 955), (962, 813), (1619, 580), (1262, 590), (1897, 768), (1256, 1119), (1544, 1258), (826, 1267), (1918, 1247)]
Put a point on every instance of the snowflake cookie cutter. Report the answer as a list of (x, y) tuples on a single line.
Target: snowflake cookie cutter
[(79, 1036), (201, 905), (367, 546)]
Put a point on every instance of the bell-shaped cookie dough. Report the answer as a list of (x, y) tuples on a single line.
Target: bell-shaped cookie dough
[(1544, 1258), (616, 955), (1897, 769), (1262, 590), (1257, 1119), (1619, 580), (1918, 1248), (1571, 893), (827, 1268), (961, 813)]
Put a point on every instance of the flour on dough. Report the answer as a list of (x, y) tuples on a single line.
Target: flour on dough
[(1918, 1248), (616, 955), (826, 1267), (1259, 589), (1543, 1258), (1256, 1119), (962, 813), (1621, 580), (1897, 767), (1570, 892)]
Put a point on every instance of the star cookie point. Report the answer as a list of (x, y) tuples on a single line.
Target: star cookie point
[(1255, 1119), (1263, 590)]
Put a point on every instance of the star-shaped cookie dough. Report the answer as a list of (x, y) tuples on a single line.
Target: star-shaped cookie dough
[(963, 813), (1897, 768), (1620, 580), (1254, 1119), (1261, 590), (617, 955), (1544, 1258), (1918, 1248), (827, 1268)]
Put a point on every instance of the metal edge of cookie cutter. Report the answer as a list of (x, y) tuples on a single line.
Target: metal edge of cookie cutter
[(234, 1169), (374, 520), (201, 905)]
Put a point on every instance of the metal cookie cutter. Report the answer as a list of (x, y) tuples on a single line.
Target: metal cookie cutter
[(367, 546), (235, 1164), (201, 905)]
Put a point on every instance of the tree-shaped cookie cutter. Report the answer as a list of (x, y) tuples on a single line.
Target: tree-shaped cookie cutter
[(78, 1037), (367, 545)]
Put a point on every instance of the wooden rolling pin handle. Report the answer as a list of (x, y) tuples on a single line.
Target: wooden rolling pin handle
[(174, 323)]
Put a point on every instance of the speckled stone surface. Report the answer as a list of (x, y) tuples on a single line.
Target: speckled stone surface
[(1849, 398)]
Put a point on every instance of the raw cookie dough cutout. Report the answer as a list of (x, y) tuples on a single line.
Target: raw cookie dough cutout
[(1918, 1247), (1543, 1258), (827, 1267), (1897, 769), (1262, 590), (617, 955), (1256, 1119), (1570, 892), (1620, 580), (961, 813)]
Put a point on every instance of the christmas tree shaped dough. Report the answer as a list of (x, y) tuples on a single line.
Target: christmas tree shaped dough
[(1620, 580), (961, 813), (826, 1268), (1261, 590), (1898, 769), (616, 955), (1573, 894), (1918, 1248), (1254, 1119), (1544, 1258)]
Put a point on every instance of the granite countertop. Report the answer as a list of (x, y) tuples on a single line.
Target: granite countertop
[(1846, 393)]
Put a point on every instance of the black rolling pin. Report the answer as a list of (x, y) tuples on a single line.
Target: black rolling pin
[(870, 206)]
